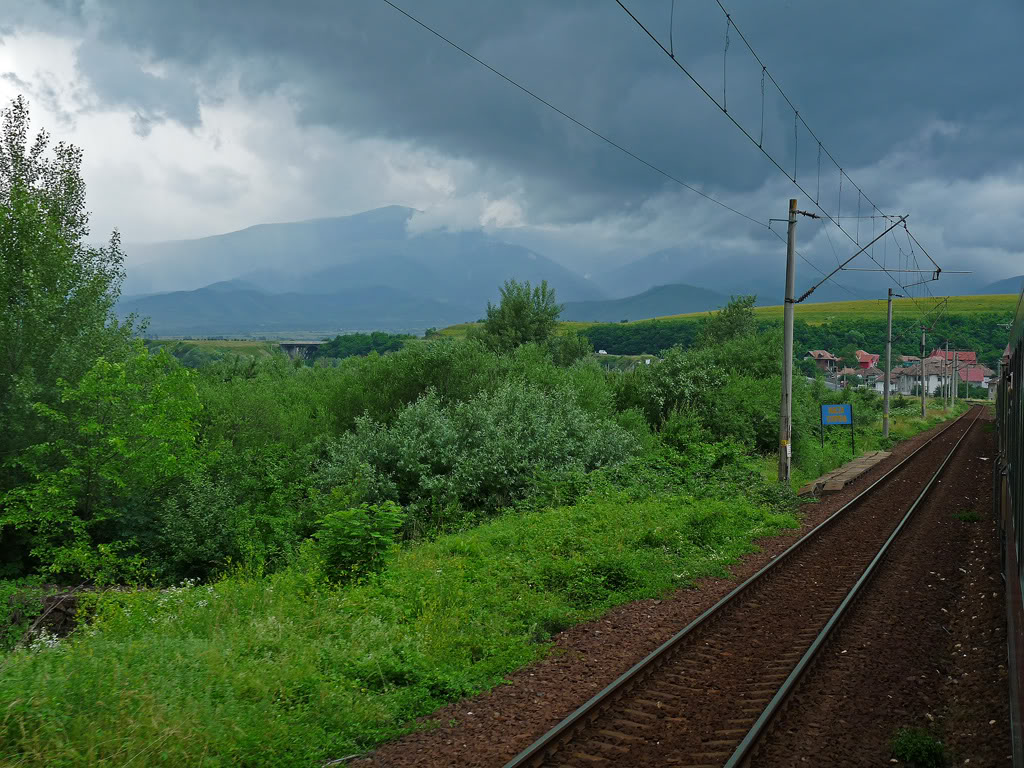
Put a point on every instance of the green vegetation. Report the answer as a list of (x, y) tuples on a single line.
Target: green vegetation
[(523, 315), (351, 344), (980, 332), (967, 516), (811, 460), (195, 353), (969, 322), (902, 309), (57, 293), (918, 748), (289, 670), (303, 559)]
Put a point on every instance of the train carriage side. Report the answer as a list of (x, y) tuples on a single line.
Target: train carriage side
[(1009, 501)]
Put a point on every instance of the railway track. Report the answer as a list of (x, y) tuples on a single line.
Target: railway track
[(709, 695)]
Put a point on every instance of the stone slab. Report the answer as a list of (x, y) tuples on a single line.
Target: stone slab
[(839, 478)]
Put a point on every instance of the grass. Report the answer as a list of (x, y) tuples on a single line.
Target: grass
[(288, 670), (967, 516), (818, 314), (917, 748)]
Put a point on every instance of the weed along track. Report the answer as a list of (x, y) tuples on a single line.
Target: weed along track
[(710, 693)]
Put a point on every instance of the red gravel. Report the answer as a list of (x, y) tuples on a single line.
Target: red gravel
[(925, 647), (489, 729)]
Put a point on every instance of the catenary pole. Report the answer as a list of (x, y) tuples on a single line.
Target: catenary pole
[(955, 379), (924, 412), (888, 369), (786, 406)]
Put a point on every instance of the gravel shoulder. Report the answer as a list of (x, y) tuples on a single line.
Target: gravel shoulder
[(925, 647)]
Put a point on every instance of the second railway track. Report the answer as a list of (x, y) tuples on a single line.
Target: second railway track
[(707, 695)]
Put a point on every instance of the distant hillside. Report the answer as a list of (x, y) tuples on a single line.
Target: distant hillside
[(1009, 285), (216, 310), (292, 248), (658, 301), (345, 254)]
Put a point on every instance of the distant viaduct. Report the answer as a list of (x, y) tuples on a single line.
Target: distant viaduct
[(299, 349)]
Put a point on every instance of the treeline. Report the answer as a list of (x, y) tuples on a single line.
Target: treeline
[(979, 332), (352, 344)]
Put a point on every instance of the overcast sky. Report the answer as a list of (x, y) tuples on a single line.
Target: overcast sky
[(204, 117)]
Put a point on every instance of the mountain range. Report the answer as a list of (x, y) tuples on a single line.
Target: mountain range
[(654, 302), (368, 272)]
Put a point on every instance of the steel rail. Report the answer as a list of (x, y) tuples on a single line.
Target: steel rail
[(537, 752), (760, 728)]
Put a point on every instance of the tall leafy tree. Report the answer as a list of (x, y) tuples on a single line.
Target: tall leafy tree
[(57, 294), (57, 291), (120, 438), (525, 313), (732, 321)]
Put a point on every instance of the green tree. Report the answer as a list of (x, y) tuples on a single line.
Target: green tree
[(732, 321), (809, 368), (569, 347), (121, 438), (524, 314), (56, 292), (848, 356)]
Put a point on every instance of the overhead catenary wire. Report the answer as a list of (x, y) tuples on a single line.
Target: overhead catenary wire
[(798, 120)]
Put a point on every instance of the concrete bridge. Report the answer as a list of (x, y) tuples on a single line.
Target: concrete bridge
[(300, 349)]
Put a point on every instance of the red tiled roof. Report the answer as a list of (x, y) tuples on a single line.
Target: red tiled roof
[(872, 371), (821, 354), (963, 355), (977, 373), (847, 371)]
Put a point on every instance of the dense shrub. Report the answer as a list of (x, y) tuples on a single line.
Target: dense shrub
[(120, 439), (478, 454), (350, 541)]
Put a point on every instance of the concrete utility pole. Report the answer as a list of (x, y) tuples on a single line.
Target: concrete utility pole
[(786, 408), (888, 369), (924, 410), (955, 379), (946, 364)]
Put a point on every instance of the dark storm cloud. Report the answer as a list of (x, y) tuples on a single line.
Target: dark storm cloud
[(118, 79), (865, 75)]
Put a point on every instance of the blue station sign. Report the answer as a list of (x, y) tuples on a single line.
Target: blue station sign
[(837, 414)]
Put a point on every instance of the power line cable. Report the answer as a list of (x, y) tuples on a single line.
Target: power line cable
[(572, 119)]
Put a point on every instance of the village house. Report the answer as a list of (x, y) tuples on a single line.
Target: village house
[(894, 380), (823, 359), (871, 375), (866, 359), (936, 375), (976, 375)]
